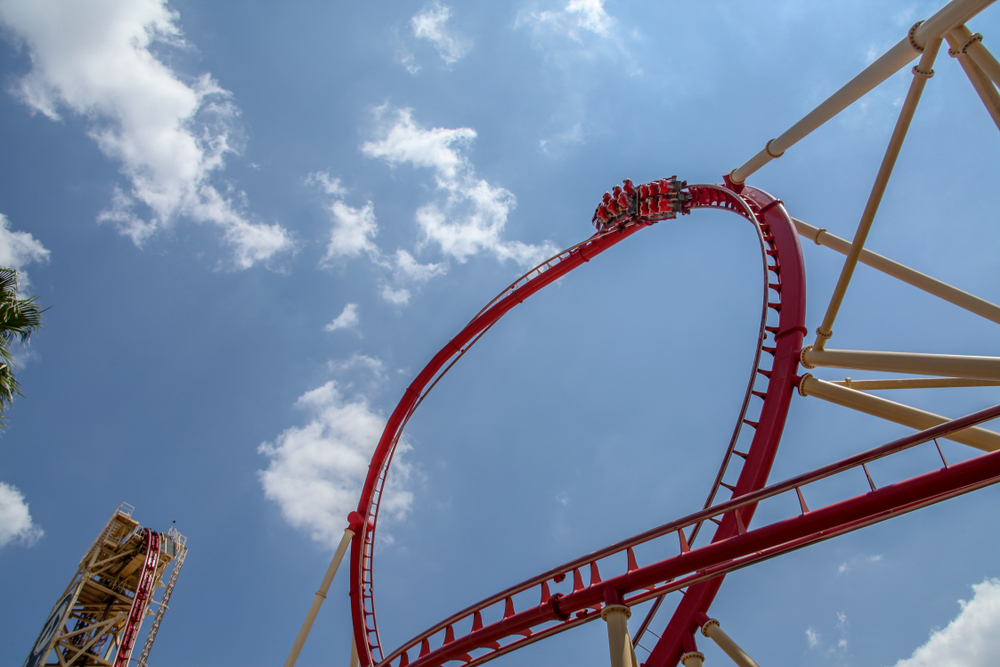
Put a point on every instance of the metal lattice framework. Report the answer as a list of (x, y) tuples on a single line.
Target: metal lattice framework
[(98, 617), (609, 582)]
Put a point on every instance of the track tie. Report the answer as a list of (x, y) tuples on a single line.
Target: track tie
[(740, 526), (545, 597), (774, 306), (477, 621), (508, 608), (775, 286), (765, 373), (715, 521), (425, 648), (802, 501), (759, 394), (404, 660), (728, 486), (769, 350), (750, 424), (742, 455), (773, 330), (577, 580), (449, 635), (632, 565), (595, 575), (685, 547)]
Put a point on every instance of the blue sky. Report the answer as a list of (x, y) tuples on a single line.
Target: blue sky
[(253, 224)]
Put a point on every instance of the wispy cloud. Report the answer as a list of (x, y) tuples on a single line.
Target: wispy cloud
[(863, 559), (432, 24), (972, 639), (170, 133), (469, 215), (15, 520), (348, 319), (316, 471), (574, 20), (18, 250)]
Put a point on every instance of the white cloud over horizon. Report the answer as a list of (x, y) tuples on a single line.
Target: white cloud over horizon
[(170, 136), (16, 525), (470, 214), (316, 471), (972, 639)]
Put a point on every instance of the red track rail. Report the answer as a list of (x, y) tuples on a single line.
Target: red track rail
[(784, 266), (143, 592)]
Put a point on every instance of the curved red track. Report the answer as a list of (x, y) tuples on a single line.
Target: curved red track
[(552, 602), (774, 386)]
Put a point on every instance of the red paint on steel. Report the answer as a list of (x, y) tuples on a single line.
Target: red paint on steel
[(143, 593), (789, 283), (691, 567), (789, 269)]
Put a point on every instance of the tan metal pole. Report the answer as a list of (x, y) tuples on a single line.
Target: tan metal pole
[(914, 383), (324, 587), (921, 73), (712, 630), (943, 365), (972, 45), (693, 659), (979, 438), (922, 281), (355, 661), (619, 642), (952, 14), (984, 87)]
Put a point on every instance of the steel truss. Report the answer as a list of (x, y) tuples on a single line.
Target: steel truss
[(608, 583)]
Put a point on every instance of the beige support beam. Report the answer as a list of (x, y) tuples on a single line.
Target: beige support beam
[(921, 281), (693, 659), (908, 48), (941, 365), (921, 73), (914, 383), (972, 45), (984, 87), (324, 588), (619, 642), (355, 661), (979, 438), (712, 630)]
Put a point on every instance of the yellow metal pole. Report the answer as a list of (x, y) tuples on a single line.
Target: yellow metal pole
[(979, 438), (914, 383), (972, 45), (921, 281), (984, 87), (619, 642), (943, 365), (712, 630), (324, 587), (952, 14), (921, 73)]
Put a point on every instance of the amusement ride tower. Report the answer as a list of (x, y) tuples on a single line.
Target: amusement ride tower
[(97, 619)]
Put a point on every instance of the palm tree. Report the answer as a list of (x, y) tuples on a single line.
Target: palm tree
[(18, 319)]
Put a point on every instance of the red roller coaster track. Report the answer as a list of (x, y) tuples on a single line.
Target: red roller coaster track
[(618, 217)]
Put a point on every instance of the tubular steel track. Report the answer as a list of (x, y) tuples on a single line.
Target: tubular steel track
[(781, 337)]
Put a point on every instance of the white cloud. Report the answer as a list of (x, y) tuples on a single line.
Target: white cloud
[(972, 639), (15, 520), (812, 638), (412, 269), (563, 499), (170, 136), (430, 24), (17, 250), (352, 232), (470, 215), (576, 17), (316, 471), (375, 366), (348, 319), (398, 297), (327, 184)]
